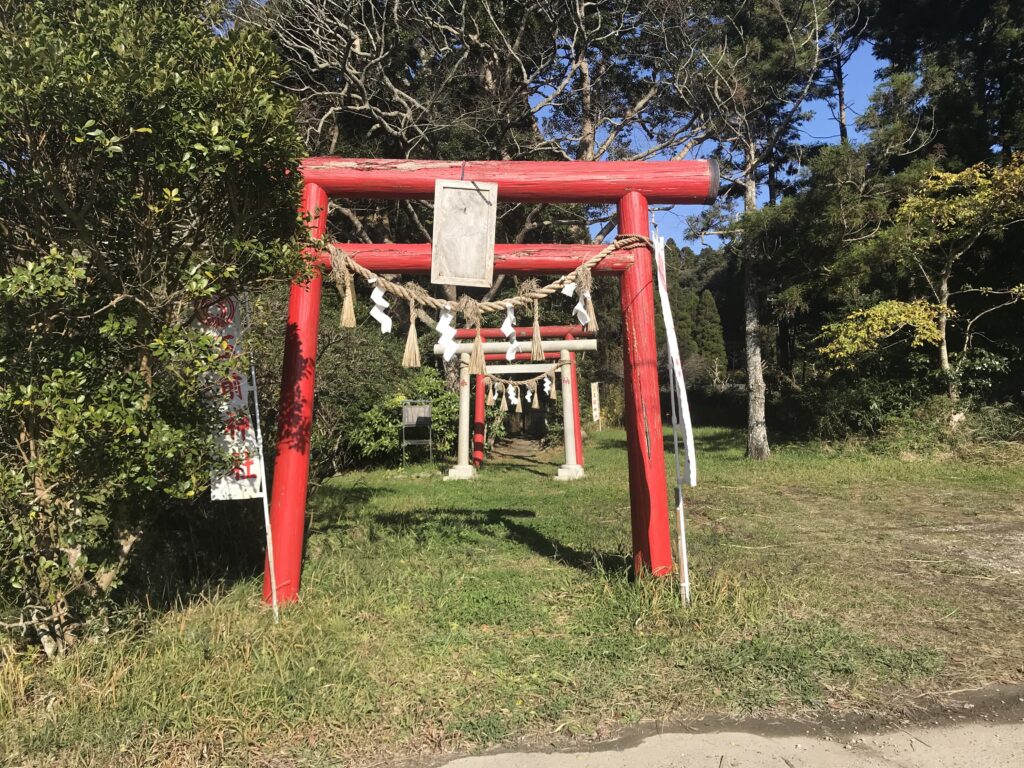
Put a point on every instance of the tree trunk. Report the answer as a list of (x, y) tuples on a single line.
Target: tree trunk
[(837, 73), (757, 431), (943, 323)]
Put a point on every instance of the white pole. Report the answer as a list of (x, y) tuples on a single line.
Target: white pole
[(568, 430), (263, 481), (463, 458), (684, 572), (572, 469), (463, 470), (680, 410)]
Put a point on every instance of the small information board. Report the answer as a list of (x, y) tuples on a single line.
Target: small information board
[(463, 246)]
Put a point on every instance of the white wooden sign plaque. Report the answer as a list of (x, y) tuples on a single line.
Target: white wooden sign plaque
[(463, 247)]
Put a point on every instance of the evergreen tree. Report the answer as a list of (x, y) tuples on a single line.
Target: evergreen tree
[(684, 312), (707, 330)]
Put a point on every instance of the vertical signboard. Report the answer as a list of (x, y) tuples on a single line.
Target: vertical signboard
[(236, 437)]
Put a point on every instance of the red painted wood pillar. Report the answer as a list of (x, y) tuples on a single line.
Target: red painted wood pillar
[(577, 428), (648, 491), (479, 420), (295, 416)]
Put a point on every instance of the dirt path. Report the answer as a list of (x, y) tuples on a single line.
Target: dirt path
[(975, 745), (982, 728)]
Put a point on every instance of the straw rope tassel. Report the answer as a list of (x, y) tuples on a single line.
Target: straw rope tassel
[(490, 394), (519, 401), (554, 387), (504, 400), (411, 357), (348, 301), (537, 346), (586, 286), (477, 362)]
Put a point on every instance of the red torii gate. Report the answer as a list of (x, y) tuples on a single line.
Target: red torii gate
[(631, 185)]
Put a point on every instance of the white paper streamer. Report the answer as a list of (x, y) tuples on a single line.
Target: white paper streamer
[(676, 363), (509, 329), (547, 385), (447, 333), (580, 310), (569, 289), (529, 395), (513, 395), (379, 305), (509, 326)]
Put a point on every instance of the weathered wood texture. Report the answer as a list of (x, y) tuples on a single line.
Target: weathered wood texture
[(648, 489), (526, 331), (414, 258), (463, 241), (552, 345), (668, 181)]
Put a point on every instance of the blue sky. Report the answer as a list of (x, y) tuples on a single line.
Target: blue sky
[(822, 127)]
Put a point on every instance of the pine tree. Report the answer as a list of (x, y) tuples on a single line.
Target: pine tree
[(707, 330), (685, 314)]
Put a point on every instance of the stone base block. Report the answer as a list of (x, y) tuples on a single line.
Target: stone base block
[(570, 472), (461, 472)]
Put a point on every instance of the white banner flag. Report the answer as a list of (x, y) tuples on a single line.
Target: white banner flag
[(690, 466), (236, 437)]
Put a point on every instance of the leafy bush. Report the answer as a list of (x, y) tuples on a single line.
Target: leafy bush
[(378, 434), (148, 163)]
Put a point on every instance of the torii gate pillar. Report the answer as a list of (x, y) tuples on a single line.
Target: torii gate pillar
[(571, 470), (648, 491)]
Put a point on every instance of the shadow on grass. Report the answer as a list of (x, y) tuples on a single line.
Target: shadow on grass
[(505, 523)]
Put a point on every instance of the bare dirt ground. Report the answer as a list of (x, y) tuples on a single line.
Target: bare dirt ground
[(977, 729)]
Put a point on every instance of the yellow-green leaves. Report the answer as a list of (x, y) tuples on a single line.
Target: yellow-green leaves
[(950, 211), (869, 330)]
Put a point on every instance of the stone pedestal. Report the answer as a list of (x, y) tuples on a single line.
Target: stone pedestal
[(461, 472), (570, 472)]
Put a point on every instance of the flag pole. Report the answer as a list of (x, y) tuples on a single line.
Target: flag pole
[(264, 495), (679, 409)]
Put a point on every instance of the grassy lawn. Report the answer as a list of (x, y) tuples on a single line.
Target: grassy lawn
[(439, 616)]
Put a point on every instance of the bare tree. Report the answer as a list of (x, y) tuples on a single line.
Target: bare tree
[(493, 79)]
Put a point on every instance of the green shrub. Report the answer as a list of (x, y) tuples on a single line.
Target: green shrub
[(378, 433), (148, 162)]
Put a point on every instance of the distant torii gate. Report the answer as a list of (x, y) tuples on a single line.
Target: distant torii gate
[(631, 185), (562, 347)]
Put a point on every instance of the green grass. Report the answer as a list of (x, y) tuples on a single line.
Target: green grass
[(439, 616)]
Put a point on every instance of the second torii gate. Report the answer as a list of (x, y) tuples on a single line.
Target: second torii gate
[(563, 349), (630, 185), (567, 332)]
